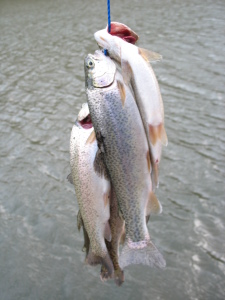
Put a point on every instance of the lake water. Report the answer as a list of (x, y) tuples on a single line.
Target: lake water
[(42, 48)]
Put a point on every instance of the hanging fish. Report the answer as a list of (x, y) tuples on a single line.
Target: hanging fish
[(116, 223), (92, 190), (123, 145), (136, 68), (80, 224)]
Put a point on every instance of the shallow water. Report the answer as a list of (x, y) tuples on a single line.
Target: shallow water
[(42, 46)]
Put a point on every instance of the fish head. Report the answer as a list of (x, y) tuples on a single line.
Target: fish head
[(100, 70), (124, 32), (112, 41), (84, 118), (109, 42)]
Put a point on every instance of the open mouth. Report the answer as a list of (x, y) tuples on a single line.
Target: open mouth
[(86, 123), (123, 32)]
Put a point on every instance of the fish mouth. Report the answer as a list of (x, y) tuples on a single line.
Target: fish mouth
[(123, 32), (86, 123)]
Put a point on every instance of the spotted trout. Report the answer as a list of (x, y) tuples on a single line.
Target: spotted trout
[(116, 223), (136, 68), (122, 143), (92, 191)]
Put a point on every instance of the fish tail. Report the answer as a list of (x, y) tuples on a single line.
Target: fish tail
[(144, 253), (105, 261), (104, 275), (118, 276)]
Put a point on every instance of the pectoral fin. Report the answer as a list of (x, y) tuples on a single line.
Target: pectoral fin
[(91, 138), (149, 55), (99, 165)]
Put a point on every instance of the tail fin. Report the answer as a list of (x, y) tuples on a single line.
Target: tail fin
[(135, 253), (93, 260), (119, 277), (104, 276)]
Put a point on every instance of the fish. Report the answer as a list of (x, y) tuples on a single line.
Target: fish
[(136, 69), (92, 191), (116, 223), (80, 224), (123, 145)]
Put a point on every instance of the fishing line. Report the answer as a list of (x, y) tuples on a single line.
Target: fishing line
[(109, 20), (109, 23)]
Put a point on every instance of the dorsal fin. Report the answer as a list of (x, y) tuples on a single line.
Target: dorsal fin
[(149, 55)]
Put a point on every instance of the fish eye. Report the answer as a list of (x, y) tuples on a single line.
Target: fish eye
[(90, 64)]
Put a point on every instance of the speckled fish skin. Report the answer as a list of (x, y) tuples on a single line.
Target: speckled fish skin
[(146, 89), (92, 192), (116, 223), (122, 140)]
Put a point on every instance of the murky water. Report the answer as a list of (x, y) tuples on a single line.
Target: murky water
[(42, 46)]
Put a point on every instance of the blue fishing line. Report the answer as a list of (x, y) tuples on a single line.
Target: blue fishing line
[(109, 23), (109, 20)]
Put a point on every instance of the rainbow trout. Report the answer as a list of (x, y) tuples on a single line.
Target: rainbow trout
[(135, 68), (116, 223), (122, 143), (92, 191)]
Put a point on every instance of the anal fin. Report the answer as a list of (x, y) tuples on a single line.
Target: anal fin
[(79, 220), (153, 205), (156, 133)]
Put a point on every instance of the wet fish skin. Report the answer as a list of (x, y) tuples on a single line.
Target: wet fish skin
[(136, 69), (92, 192), (116, 223), (121, 136), (80, 224)]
